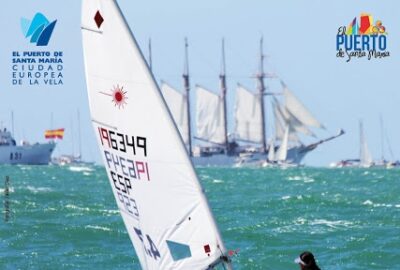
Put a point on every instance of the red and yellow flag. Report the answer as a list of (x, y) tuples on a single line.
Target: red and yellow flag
[(54, 133)]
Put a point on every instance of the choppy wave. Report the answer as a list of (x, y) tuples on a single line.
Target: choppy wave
[(10, 190), (332, 223), (79, 208), (271, 215), (370, 203), (95, 227), (218, 181), (38, 189), (80, 169)]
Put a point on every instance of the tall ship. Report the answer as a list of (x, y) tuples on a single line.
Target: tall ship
[(248, 144), (25, 153)]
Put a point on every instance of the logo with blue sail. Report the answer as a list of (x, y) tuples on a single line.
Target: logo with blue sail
[(38, 30)]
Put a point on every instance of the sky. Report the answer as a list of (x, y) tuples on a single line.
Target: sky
[(299, 41)]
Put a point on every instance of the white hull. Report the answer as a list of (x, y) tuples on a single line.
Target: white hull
[(36, 154), (294, 156), (217, 160)]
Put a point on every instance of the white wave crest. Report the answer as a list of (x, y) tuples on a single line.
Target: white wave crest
[(80, 169), (95, 227), (38, 189)]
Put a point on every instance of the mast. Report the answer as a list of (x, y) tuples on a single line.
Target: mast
[(150, 59), (382, 140), (79, 135), (186, 84), (222, 77), (361, 130), (72, 138), (12, 123), (261, 88)]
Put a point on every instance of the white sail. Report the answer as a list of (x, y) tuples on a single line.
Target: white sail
[(155, 186), (248, 123), (280, 122), (209, 116), (177, 105), (295, 107), (281, 154), (365, 154), (295, 124), (271, 151)]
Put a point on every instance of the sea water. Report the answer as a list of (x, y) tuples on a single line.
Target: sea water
[(66, 217)]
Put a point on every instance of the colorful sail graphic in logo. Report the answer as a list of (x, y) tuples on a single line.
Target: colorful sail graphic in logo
[(365, 26), (352, 28), (39, 29), (366, 23)]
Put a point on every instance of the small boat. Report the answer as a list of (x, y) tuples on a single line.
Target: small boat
[(365, 159), (157, 191)]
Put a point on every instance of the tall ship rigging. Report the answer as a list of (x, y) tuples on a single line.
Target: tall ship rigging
[(248, 144)]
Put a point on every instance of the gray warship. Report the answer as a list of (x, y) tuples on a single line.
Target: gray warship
[(25, 153)]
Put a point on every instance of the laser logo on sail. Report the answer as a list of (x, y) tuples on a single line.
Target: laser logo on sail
[(118, 95), (38, 30), (362, 38)]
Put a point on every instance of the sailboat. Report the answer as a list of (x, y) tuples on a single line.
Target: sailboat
[(73, 159), (279, 159), (156, 189), (383, 163), (365, 158), (365, 155)]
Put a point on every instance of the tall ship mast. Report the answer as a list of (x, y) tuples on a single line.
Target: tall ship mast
[(222, 77), (186, 84), (261, 90)]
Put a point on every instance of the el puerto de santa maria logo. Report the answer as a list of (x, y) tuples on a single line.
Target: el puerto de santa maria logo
[(36, 65), (38, 30), (362, 38)]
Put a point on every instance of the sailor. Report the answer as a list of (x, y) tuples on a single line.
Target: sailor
[(306, 261)]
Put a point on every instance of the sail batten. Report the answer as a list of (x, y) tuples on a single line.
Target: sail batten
[(152, 178)]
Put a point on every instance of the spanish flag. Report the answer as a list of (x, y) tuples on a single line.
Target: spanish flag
[(54, 133)]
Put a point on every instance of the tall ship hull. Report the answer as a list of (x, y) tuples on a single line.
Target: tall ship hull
[(295, 155), (36, 154), (218, 160)]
